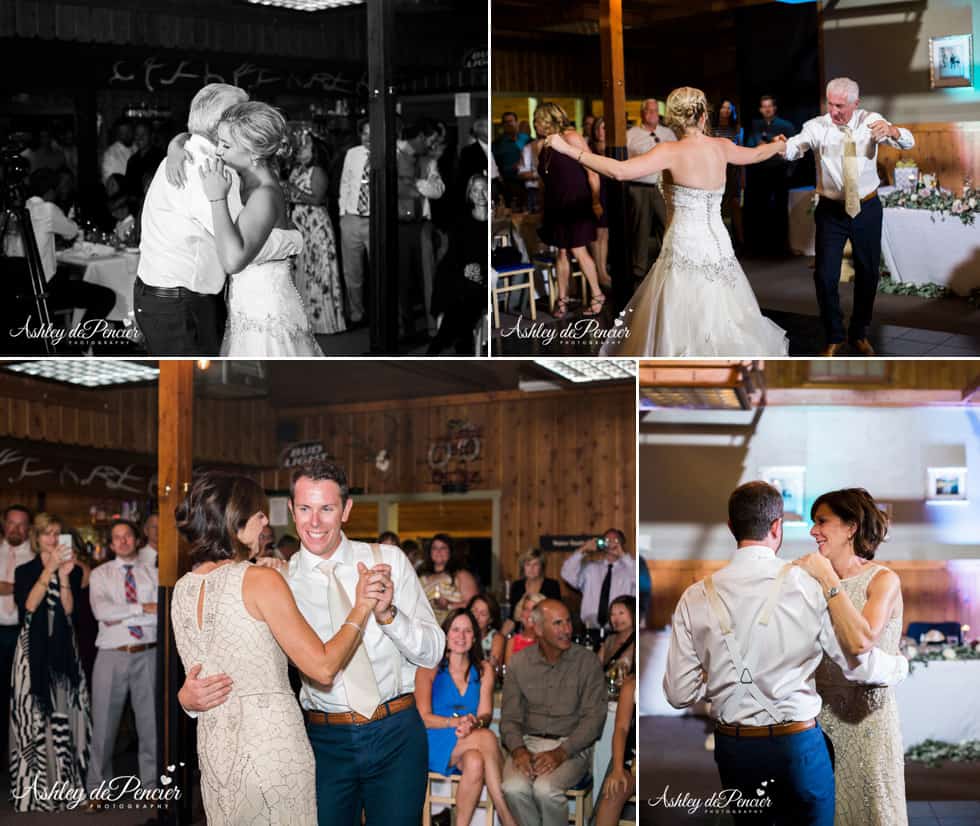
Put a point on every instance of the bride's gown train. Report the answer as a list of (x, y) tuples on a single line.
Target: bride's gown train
[(266, 315), (696, 300)]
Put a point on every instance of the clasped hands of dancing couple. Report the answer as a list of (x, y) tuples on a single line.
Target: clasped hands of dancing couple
[(696, 299)]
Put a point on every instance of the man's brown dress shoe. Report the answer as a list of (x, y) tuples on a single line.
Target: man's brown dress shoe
[(863, 346), (832, 349)]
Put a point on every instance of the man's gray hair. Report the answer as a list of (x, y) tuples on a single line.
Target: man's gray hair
[(209, 105), (844, 86)]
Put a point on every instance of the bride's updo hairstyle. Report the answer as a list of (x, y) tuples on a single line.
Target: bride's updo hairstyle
[(856, 507), (258, 127), (217, 507), (684, 110), (550, 119)]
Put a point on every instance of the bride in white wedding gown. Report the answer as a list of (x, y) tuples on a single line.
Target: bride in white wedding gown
[(266, 316), (696, 300)]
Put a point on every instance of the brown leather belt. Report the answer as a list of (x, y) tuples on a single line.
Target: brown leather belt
[(352, 718), (780, 730), (135, 649)]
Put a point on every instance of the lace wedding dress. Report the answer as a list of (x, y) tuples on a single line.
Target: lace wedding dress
[(255, 757), (696, 301), (862, 722), (266, 316)]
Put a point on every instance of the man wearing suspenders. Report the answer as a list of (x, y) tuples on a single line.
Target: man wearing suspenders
[(369, 742), (748, 640)]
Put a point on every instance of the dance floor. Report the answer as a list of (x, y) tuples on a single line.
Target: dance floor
[(672, 754)]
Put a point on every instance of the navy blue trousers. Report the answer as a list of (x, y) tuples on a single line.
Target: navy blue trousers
[(381, 767), (797, 770), (834, 228)]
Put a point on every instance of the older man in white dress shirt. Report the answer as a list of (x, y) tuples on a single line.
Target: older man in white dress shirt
[(178, 293), (845, 143), (748, 640)]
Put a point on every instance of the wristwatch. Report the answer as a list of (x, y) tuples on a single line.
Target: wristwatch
[(391, 619), (833, 592)]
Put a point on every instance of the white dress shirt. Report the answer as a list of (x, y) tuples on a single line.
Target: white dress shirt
[(48, 220), (107, 593), (115, 159), (587, 577), (413, 639), (177, 243), (639, 141), (11, 557), (527, 165), (355, 167), (827, 142), (782, 655), (148, 556), (492, 167)]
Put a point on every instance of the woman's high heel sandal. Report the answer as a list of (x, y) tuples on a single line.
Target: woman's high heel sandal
[(596, 305), (561, 308)]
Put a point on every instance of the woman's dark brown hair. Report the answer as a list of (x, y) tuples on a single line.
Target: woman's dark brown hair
[(216, 509), (452, 565), (475, 654), (493, 607), (855, 506)]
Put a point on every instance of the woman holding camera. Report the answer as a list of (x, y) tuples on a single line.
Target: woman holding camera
[(49, 701)]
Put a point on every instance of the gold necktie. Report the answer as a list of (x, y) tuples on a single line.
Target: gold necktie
[(852, 199), (359, 680)]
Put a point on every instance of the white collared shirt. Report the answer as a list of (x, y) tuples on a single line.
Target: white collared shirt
[(639, 140), (355, 163), (827, 142), (148, 556), (785, 653), (177, 246), (107, 593), (492, 164), (587, 577), (115, 159), (48, 220), (413, 639), (11, 558)]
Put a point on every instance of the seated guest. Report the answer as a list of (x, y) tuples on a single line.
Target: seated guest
[(533, 580), (486, 612), (49, 710), (446, 584), (413, 551), (620, 646), (48, 220), (526, 634), (389, 538), (455, 701), (119, 208), (553, 711), (151, 535), (287, 546), (620, 782)]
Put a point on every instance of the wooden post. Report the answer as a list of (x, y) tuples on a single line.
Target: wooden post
[(175, 451), (384, 183), (614, 114)]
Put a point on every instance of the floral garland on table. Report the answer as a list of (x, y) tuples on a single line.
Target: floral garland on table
[(889, 287), (935, 752), (926, 194), (970, 651)]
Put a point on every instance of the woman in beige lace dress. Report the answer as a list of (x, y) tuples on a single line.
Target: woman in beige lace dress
[(865, 604), (240, 619)]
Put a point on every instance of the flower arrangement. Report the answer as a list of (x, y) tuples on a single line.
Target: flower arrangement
[(926, 194), (947, 653), (934, 752)]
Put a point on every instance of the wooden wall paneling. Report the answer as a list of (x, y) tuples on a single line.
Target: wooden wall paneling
[(511, 450), (950, 150)]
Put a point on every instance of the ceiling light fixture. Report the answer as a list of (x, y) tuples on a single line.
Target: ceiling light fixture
[(87, 372), (590, 369)]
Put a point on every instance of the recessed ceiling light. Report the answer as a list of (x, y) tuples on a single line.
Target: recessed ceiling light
[(87, 372), (307, 5), (590, 369)]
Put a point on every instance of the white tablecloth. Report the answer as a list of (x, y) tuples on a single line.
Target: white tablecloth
[(918, 250), (802, 229), (940, 701), (117, 272), (653, 666)]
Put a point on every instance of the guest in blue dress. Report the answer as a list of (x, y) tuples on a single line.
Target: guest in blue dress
[(455, 700)]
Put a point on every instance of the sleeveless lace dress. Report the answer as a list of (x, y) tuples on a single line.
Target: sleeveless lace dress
[(266, 316), (255, 758), (863, 724), (696, 300)]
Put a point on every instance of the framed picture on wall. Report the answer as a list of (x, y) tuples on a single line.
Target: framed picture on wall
[(946, 484), (951, 61), (789, 481)]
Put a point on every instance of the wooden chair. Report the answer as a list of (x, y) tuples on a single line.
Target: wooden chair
[(450, 799), (581, 796), (624, 822), (547, 263), (508, 274)]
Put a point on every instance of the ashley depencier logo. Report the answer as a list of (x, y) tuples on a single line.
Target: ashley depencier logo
[(94, 331), (729, 801), (125, 792)]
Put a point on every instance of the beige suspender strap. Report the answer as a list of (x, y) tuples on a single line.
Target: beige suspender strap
[(376, 553), (724, 620), (774, 594)]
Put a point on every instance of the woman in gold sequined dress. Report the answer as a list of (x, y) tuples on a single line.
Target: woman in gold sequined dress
[(865, 604)]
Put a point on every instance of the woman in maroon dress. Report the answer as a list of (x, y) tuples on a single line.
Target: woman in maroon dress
[(571, 206)]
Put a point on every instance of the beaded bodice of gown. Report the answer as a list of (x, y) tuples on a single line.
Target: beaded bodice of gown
[(255, 758), (862, 721), (699, 238)]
